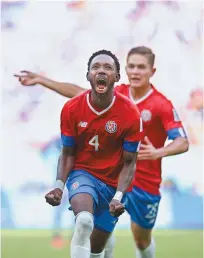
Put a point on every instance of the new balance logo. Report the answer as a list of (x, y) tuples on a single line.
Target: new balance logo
[(83, 124)]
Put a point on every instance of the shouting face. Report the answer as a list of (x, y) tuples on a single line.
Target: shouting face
[(102, 74)]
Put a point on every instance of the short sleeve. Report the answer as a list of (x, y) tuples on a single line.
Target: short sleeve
[(134, 134), (122, 89), (171, 121), (67, 127)]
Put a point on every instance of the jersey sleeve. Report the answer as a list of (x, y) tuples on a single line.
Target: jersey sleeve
[(122, 89), (67, 127), (171, 121), (134, 134)]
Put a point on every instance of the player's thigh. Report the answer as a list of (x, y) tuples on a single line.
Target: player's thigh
[(98, 240), (103, 220), (141, 235), (82, 193), (82, 202)]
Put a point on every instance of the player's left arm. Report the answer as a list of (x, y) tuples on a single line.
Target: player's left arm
[(131, 147), (175, 132)]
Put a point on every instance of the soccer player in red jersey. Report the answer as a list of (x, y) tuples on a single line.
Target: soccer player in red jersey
[(96, 125), (160, 121)]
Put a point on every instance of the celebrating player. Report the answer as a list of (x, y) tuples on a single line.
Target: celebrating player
[(160, 120), (94, 127)]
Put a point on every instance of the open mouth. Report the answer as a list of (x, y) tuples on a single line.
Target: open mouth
[(135, 80), (101, 86)]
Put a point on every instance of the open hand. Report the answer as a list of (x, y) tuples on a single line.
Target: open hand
[(148, 151)]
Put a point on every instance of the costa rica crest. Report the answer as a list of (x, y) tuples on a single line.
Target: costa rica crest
[(75, 185), (146, 115), (111, 127)]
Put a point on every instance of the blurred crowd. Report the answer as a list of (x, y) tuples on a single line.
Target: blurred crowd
[(57, 38)]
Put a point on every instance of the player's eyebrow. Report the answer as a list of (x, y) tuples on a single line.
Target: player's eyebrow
[(102, 64), (95, 64), (140, 65)]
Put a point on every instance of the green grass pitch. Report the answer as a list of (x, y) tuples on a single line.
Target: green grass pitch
[(36, 244)]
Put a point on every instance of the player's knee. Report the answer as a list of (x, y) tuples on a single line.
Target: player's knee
[(141, 236), (142, 243), (84, 222)]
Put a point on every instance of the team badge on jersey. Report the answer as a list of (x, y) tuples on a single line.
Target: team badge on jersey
[(111, 127), (75, 185), (146, 115)]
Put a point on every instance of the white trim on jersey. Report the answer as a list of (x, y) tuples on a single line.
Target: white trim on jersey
[(141, 99), (182, 132), (141, 129), (103, 111), (141, 125)]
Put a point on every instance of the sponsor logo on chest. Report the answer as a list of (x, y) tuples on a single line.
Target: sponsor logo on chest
[(82, 124)]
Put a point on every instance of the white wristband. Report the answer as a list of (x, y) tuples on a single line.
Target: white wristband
[(59, 184), (118, 196)]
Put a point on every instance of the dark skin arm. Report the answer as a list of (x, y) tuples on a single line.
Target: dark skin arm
[(69, 90), (65, 166), (124, 181)]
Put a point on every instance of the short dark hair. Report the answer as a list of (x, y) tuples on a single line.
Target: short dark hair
[(144, 51), (105, 52)]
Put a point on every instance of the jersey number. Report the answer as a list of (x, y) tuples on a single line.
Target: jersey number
[(94, 142)]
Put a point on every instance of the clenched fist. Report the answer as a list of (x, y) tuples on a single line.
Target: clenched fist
[(54, 197), (116, 208)]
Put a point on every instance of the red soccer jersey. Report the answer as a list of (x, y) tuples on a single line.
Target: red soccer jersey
[(160, 120), (101, 136)]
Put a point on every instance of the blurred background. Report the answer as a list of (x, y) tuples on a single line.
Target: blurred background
[(56, 39)]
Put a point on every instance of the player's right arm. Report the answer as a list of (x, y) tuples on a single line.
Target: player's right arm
[(66, 158), (66, 89)]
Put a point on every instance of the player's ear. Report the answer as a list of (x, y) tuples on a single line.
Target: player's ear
[(87, 76), (117, 77), (153, 71)]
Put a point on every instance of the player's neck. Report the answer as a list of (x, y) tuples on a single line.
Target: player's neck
[(138, 93), (101, 101)]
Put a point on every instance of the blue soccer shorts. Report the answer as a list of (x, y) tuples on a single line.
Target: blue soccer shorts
[(142, 207), (80, 181)]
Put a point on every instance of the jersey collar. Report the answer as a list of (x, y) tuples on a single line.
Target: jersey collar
[(104, 110), (141, 99)]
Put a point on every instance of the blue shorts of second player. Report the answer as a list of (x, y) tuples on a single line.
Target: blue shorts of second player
[(142, 207), (81, 181)]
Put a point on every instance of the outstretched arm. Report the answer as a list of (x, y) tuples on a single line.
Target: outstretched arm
[(69, 90)]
